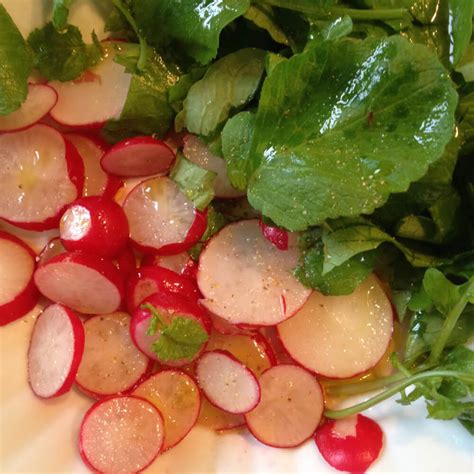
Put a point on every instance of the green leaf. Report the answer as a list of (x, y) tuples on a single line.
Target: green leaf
[(60, 13), (342, 125), (16, 63), (262, 16), (178, 92), (335, 29), (466, 64)]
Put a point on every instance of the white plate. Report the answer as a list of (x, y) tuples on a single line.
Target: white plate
[(41, 436)]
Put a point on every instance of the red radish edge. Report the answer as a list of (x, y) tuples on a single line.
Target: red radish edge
[(277, 236)]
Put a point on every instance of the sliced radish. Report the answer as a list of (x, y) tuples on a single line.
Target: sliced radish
[(138, 156), (55, 352), (85, 283), (126, 262), (247, 280), (351, 444), (341, 336), (98, 96), (290, 408), (39, 101), (222, 326), (227, 383), (177, 397), (53, 248), (149, 280), (162, 219), (40, 174), (96, 225), (111, 363), (277, 236), (121, 435), (218, 420), (18, 293), (197, 152), (281, 355), (180, 263)]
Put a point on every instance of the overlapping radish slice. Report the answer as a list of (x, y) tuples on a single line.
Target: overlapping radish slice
[(53, 248), (177, 397), (290, 408), (218, 420), (341, 336), (180, 263), (138, 156), (56, 348), (39, 101), (197, 152), (18, 293), (85, 283), (351, 444), (111, 363), (246, 279), (277, 236), (162, 219), (121, 435), (97, 96), (40, 174), (126, 262)]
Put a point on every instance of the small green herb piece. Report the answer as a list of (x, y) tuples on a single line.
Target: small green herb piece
[(60, 13), (262, 16)]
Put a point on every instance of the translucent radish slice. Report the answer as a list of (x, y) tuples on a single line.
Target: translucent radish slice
[(40, 174), (180, 263), (121, 435), (53, 248), (341, 336), (55, 352), (162, 219), (39, 101), (111, 363), (218, 420), (290, 408), (197, 152), (177, 397), (18, 293), (245, 279), (138, 156)]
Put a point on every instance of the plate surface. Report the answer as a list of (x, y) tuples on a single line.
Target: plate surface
[(41, 436)]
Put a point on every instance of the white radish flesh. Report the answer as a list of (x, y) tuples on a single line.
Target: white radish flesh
[(180, 263), (341, 336)]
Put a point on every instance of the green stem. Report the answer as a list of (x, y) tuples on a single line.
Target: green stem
[(156, 321), (355, 387)]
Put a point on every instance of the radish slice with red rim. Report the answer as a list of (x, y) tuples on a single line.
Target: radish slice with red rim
[(290, 408), (360, 323), (40, 174), (277, 236), (138, 156), (85, 283), (121, 435), (245, 279), (177, 397), (56, 348), (53, 248), (162, 219), (18, 293), (180, 263), (352, 444), (39, 101), (111, 363)]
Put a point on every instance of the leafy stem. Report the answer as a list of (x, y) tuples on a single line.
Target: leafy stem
[(156, 320)]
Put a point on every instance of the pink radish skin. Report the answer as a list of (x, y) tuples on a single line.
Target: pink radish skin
[(18, 293), (53, 248), (290, 409), (39, 101), (85, 283), (227, 383), (121, 434), (180, 263), (352, 444), (111, 363), (176, 395), (40, 174), (138, 156), (278, 237), (95, 225), (56, 348)]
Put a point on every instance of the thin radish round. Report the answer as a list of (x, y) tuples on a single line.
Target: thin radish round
[(138, 156), (177, 397), (53, 248), (351, 444), (197, 152), (18, 293), (227, 383), (245, 279), (96, 225), (121, 435), (39, 101), (85, 283), (222, 326), (56, 348), (218, 420), (180, 263), (40, 174), (277, 236), (281, 355), (290, 409), (111, 363), (162, 219), (340, 336), (99, 95)]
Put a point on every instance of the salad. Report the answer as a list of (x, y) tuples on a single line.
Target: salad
[(255, 211)]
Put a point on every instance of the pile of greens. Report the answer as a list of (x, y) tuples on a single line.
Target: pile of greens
[(352, 122)]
